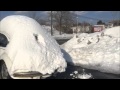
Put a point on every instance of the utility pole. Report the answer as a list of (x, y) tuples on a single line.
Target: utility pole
[(51, 23), (77, 23), (60, 22)]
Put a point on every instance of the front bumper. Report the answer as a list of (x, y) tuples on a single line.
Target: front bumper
[(30, 74)]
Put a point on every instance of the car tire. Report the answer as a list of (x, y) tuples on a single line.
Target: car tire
[(3, 71)]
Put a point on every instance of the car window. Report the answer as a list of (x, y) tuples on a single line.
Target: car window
[(3, 40)]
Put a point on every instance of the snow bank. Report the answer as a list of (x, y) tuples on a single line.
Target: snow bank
[(69, 44), (98, 51), (115, 31), (31, 48)]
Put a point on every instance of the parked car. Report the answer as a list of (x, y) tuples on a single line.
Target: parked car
[(27, 50)]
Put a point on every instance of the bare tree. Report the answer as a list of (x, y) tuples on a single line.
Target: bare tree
[(51, 22), (63, 20), (68, 21), (58, 17)]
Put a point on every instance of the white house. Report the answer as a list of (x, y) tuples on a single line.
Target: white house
[(80, 29)]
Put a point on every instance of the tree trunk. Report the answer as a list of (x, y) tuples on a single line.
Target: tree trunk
[(51, 24), (60, 22)]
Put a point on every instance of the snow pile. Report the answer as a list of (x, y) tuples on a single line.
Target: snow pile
[(69, 44), (115, 32), (82, 39), (99, 51), (31, 48)]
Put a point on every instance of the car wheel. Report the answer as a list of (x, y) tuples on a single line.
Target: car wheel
[(3, 71)]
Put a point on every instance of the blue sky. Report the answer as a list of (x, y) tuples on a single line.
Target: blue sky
[(88, 16)]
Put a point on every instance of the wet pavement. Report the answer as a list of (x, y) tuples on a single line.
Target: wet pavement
[(95, 74)]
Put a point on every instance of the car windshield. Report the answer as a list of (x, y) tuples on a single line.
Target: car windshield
[(3, 40)]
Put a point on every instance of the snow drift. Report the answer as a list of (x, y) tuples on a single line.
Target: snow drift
[(99, 51), (115, 32), (31, 48)]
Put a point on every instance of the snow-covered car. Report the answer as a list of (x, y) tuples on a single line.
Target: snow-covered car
[(27, 50)]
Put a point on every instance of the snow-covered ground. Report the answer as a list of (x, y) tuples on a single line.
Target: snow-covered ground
[(31, 48), (56, 33), (99, 51), (115, 32), (48, 29), (63, 36)]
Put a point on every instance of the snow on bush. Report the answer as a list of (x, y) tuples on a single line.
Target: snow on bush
[(31, 48), (99, 51)]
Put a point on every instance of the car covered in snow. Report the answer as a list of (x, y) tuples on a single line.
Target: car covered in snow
[(27, 50)]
